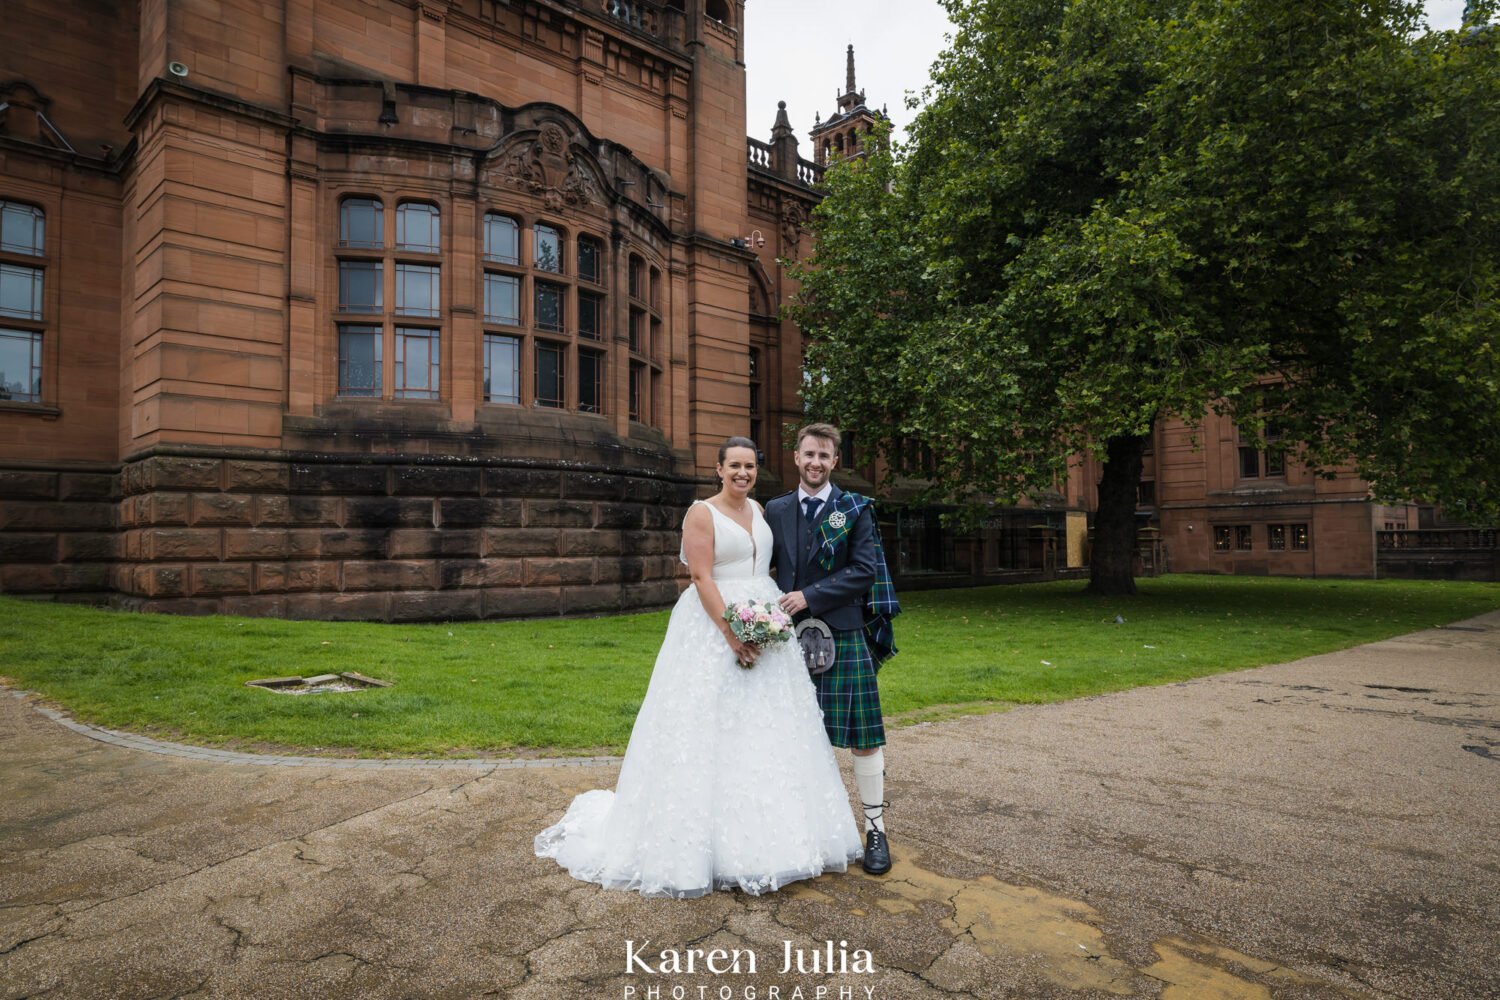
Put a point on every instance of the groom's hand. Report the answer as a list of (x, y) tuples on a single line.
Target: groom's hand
[(793, 603)]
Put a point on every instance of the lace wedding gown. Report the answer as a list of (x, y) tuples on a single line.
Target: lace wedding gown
[(728, 781)]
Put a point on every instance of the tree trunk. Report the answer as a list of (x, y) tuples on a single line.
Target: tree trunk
[(1112, 564)]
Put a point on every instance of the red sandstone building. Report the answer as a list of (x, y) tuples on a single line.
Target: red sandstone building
[(412, 309)]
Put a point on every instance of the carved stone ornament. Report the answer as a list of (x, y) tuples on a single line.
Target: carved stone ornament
[(546, 166), (792, 218)]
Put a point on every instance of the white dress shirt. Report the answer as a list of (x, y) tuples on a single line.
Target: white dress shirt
[(821, 496)]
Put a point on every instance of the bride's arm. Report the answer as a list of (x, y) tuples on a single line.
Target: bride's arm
[(698, 547)]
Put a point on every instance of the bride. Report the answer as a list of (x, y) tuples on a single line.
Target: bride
[(729, 780)]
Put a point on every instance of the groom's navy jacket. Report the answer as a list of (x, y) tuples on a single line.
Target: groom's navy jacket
[(835, 595)]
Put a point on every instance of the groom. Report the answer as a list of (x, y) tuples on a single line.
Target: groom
[(827, 557)]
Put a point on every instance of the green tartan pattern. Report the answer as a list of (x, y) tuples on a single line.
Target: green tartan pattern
[(848, 695)]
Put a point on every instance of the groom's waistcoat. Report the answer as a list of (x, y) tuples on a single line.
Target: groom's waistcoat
[(836, 594)]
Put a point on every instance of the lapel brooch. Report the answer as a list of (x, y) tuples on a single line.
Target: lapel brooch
[(837, 520)]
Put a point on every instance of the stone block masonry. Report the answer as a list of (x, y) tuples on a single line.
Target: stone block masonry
[(336, 538)]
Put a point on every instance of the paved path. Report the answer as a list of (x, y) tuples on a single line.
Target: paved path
[(1319, 829)]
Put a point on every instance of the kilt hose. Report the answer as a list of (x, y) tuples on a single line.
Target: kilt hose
[(848, 695)]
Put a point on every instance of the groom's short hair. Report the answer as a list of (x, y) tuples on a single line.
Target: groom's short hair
[(826, 431)]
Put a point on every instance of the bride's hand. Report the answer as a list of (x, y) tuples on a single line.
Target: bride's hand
[(744, 652)]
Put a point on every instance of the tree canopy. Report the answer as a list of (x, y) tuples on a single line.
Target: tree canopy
[(1113, 211)]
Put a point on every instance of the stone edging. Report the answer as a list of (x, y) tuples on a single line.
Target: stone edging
[(132, 741)]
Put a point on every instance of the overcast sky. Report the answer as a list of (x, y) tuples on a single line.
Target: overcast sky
[(794, 52)]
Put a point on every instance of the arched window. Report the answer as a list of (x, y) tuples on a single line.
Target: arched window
[(718, 10), (502, 242), (418, 227), (361, 223)]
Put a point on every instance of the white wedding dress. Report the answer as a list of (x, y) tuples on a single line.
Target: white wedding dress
[(729, 780)]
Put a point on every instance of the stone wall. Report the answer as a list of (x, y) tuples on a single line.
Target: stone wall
[(58, 531), (332, 538)]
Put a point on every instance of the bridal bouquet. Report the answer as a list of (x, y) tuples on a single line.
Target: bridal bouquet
[(758, 623)]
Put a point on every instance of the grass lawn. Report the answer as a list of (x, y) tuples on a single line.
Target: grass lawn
[(574, 685)]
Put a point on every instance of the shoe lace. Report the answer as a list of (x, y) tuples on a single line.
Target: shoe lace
[(878, 807)]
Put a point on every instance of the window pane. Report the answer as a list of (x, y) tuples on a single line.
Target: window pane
[(590, 382), (21, 291), (21, 366), (1276, 537), (636, 278), (590, 316), (21, 228), (418, 228), (359, 286), (549, 375), (638, 392), (360, 223), (754, 362), (548, 249), (1221, 538), (502, 299), (549, 314), (416, 363), (588, 259), (359, 361), (1242, 538), (1299, 536), (637, 331), (418, 291), (1275, 462), (502, 370), (500, 239), (1249, 463)]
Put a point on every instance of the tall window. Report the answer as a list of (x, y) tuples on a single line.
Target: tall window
[(549, 374), (502, 299), (22, 305), (549, 307), (418, 290), (590, 256), (756, 400), (1257, 461), (359, 360), (360, 286), (538, 312), (20, 292), (502, 369), (383, 330), (590, 316), (502, 243), (590, 382), (361, 224), (417, 228), (547, 249), (640, 393), (417, 357)]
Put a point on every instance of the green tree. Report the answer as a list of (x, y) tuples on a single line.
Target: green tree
[(1115, 211)]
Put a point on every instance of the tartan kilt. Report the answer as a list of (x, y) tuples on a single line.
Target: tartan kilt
[(848, 695)]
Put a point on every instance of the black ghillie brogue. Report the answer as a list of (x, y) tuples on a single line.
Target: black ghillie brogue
[(877, 860)]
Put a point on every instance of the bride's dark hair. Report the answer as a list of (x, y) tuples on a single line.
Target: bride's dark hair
[(736, 442)]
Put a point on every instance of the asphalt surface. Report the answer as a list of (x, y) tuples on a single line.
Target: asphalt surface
[(1318, 829)]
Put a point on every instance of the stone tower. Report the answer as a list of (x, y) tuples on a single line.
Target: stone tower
[(843, 135)]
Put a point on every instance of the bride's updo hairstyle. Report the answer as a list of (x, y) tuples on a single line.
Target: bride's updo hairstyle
[(736, 442)]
